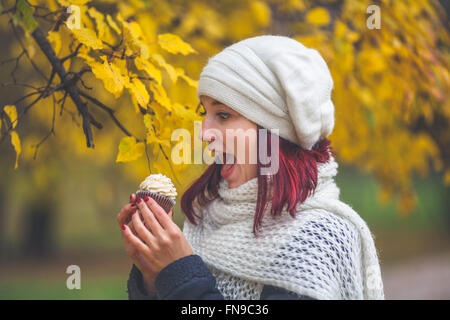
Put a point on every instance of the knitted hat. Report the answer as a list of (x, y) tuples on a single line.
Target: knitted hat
[(276, 82)]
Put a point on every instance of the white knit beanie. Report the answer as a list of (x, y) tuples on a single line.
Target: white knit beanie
[(276, 82)]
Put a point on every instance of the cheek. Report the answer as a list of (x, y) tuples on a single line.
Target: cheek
[(251, 148), (211, 127), (249, 143)]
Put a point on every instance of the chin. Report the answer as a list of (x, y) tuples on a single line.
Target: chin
[(234, 179)]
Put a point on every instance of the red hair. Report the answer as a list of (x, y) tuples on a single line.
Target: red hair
[(295, 180)]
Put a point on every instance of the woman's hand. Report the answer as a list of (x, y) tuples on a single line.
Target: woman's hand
[(124, 217), (149, 273), (163, 243), (147, 270)]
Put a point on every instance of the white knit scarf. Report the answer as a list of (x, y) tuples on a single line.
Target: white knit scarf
[(326, 252)]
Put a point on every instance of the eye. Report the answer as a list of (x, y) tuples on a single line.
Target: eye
[(223, 115)]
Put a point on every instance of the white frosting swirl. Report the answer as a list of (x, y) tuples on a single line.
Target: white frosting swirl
[(159, 183)]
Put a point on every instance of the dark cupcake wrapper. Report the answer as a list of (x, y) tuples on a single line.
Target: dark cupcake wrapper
[(165, 202)]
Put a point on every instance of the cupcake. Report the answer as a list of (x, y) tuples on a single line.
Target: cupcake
[(160, 188)]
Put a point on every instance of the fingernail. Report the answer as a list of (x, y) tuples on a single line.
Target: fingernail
[(134, 211), (133, 205), (139, 200), (131, 196), (146, 198), (124, 227)]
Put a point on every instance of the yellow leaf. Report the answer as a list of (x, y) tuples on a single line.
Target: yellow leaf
[(372, 61), (129, 150), (152, 138), (55, 40), (261, 12), (160, 95), (142, 47), (87, 37), (149, 68), (113, 24), (110, 74), (173, 75), (139, 91), (99, 21), (15, 141), (11, 111), (185, 113), (148, 121), (158, 120), (318, 16), (341, 31), (190, 81), (174, 44), (135, 104), (88, 58), (133, 27)]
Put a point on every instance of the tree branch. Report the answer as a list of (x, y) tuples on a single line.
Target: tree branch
[(71, 88), (109, 110), (50, 132)]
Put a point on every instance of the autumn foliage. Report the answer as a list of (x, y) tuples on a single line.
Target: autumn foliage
[(133, 64)]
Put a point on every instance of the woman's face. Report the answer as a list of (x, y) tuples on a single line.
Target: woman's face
[(222, 124)]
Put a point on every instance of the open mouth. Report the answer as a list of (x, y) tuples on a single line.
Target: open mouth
[(228, 165)]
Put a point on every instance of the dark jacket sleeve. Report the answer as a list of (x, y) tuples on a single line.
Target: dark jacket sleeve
[(135, 286), (188, 278)]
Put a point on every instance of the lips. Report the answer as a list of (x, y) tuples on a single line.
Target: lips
[(227, 168)]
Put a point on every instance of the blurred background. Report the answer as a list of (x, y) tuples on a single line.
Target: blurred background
[(72, 151)]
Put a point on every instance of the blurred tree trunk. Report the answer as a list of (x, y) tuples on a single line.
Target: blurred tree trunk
[(38, 223)]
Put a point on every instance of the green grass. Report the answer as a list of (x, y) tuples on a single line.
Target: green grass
[(108, 288)]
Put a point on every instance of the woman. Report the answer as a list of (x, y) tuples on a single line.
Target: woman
[(248, 235)]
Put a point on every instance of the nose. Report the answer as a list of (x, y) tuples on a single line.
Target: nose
[(205, 134)]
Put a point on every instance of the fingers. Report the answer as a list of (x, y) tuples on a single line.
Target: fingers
[(123, 217), (160, 214), (131, 226), (150, 218), (135, 241), (170, 214), (142, 231), (131, 250)]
